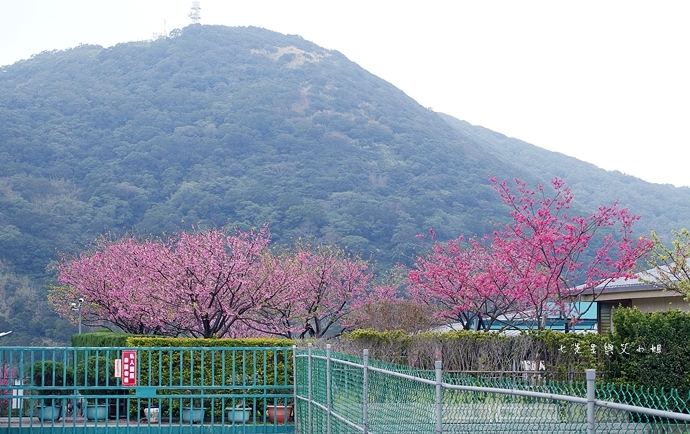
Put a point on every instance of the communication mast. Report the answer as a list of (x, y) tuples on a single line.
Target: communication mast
[(195, 12)]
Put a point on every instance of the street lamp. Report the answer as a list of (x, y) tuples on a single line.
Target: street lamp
[(77, 307)]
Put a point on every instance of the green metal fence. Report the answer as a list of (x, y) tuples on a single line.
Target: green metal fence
[(239, 390), (337, 393), (140, 390)]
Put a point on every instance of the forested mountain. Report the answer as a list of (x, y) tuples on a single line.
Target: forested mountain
[(217, 126)]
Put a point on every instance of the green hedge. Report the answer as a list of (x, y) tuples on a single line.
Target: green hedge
[(103, 338), (184, 373), (562, 354), (646, 350), (644, 334), (250, 369), (159, 341)]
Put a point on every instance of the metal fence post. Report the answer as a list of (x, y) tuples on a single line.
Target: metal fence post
[(294, 386), (439, 398), (365, 392), (309, 386), (328, 389), (591, 396)]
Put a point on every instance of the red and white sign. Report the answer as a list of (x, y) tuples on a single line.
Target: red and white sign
[(129, 368)]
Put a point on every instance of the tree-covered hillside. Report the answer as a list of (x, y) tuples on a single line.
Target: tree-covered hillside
[(663, 207), (218, 126)]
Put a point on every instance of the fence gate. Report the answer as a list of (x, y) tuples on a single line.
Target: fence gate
[(142, 390)]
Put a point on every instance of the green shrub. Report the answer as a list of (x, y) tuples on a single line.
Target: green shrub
[(101, 338), (49, 374), (195, 364), (652, 348), (563, 355), (97, 370)]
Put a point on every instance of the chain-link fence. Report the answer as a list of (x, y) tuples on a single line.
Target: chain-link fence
[(338, 393)]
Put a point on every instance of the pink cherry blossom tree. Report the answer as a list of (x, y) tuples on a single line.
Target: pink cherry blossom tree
[(533, 267), (463, 283), (327, 285), (196, 284), (214, 280), (116, 280), (7, 377)]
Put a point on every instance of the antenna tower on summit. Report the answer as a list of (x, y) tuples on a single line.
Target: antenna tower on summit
[(195, 12)]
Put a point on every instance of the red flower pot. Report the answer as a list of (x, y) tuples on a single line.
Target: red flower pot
[(279, 413)]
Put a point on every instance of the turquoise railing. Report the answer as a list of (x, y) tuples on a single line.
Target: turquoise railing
[(172, 390)]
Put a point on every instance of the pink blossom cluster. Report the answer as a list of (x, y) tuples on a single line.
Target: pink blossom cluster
[(533, 267), (7, 377), (212, 284)]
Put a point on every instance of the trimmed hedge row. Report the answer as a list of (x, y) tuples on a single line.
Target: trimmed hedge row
[(103, 338), (646, 349), (157, 341), (253, 368), (561, 355), (657, 349), (235, 372)]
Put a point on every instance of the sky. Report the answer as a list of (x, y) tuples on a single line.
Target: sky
[(607, 82)]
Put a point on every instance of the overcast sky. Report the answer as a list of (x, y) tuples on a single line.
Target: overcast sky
[(607, 82)]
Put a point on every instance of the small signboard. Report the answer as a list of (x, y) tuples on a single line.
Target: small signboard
[(129, 368)]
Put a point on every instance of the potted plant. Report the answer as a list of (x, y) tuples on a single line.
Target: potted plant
[(239, 408), (96, 371), (240, 413), (49, 375), (280, 412), (192, 410)]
